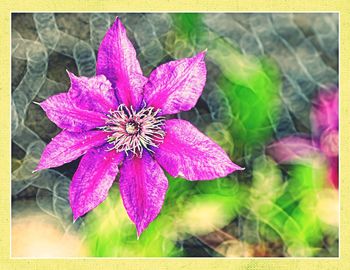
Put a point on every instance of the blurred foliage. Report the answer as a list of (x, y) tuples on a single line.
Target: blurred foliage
[(189, 208), (290, 208), (252, 87)]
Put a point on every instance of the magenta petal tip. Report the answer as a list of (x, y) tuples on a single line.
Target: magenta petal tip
[(138, 233), (75, 218), (38, 168), (140, 229), (71, 75), (204, 52), (200, 56), (238, 168)]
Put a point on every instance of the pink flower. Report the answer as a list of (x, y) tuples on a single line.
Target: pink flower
[(325, 128), (117, 121), (325, 125)]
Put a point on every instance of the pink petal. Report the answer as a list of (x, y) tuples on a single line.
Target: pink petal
[(324, 114), (291, 149), (333, 171), (117, 61), (92, 94), (61, 110), (142, 186), (177, 85), (68, 146), (92, 180), (188, 153)]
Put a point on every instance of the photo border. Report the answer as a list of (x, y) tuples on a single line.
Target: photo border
[(7, 7)]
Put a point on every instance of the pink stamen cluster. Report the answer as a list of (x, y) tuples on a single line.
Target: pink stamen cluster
[(133, 131)]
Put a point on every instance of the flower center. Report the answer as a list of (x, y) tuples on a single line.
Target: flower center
[(132, 131), (132, 127)]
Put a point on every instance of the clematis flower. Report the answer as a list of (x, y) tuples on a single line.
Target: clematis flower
[(117, 120), (325, 126)]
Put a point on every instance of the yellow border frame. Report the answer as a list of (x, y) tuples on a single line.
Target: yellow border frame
[(8, 6)]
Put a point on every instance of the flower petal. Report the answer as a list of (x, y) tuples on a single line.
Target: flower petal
[(117, 61), (177, 85), (68, 146), (333, 171), (61, 110), (92, 180), (188, 153), (292, 149), (143, 186), (325, 112), (92, 94)]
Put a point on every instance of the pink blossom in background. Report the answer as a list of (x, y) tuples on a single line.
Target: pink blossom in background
[(117, 120), (325, 133), (325, 130)]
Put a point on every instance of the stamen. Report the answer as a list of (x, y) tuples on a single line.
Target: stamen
[(133, 131)]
